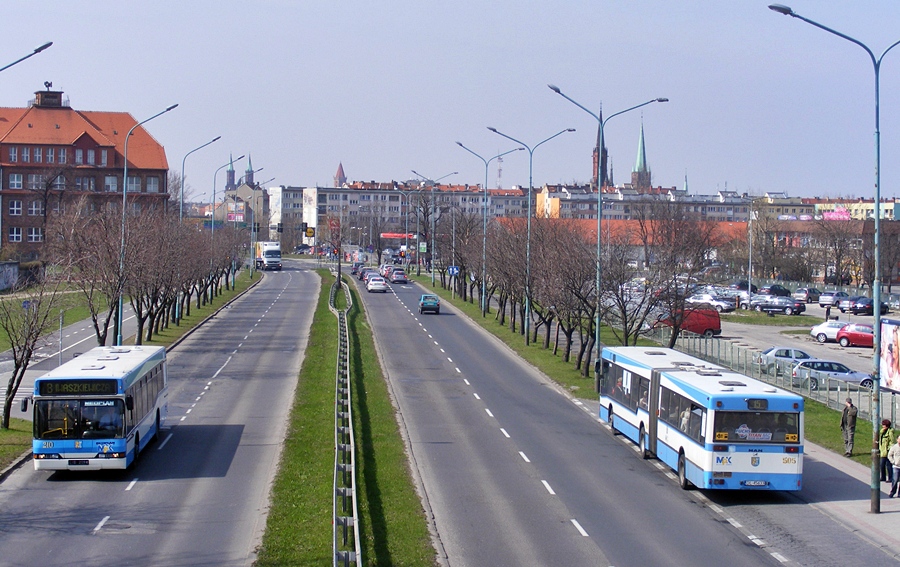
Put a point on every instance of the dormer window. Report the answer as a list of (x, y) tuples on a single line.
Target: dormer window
[(90, 157), (26, 155), (38, 155), (79, 157)]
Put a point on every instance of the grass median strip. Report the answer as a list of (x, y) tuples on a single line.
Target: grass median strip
[(393, 527)]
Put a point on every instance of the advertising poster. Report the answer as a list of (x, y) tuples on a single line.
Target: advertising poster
[(890, 354)]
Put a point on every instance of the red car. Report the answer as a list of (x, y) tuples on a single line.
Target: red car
[(856, 335)]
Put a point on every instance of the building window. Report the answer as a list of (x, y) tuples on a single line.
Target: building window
[(35, 181), (15, 180), (13, 154), (79, 157), (90, 157), (50, 155), (153, 185), (35, 234), (36, 208), (61, 154), (25, 155), (59, 183), (111, 183), (84, 183), (15, 208), (103, 158), (38, 155), (134, 185), (15, 234)]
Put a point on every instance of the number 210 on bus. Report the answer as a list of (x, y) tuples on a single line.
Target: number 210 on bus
[(716, 428)]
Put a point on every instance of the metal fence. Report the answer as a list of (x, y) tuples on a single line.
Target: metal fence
[(345, 525), (831, 392)]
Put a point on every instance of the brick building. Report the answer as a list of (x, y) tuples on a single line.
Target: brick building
[(52, 155)]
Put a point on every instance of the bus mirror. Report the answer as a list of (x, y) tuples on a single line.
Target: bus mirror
[(25, 404), (129, 403)]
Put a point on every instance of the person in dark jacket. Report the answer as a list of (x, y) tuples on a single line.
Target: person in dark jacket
[(848, 426)]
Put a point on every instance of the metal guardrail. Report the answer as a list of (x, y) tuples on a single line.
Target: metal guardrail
[(345, 526), (831, 392)]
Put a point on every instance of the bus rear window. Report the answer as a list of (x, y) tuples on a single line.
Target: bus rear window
[(757, 427)]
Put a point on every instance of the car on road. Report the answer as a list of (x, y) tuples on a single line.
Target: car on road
[(776, 289), (827, 331), (807, 294), (720, 304), (845, 303), (856, 335), (356, 267), (777, 359), (376, 283), (817, 373), (866, 306), (398, 276), (831, 298), (781, 304), (430, 303)]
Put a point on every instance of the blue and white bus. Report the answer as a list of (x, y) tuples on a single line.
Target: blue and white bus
[(716, 428), (99, 410)]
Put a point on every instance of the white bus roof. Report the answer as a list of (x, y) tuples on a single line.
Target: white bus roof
[(106, 362)]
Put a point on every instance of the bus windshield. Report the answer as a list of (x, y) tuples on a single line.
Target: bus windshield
[(757, 427), (79, 419)]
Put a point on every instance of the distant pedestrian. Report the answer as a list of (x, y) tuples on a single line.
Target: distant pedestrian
[(848, 426), (894, 458), (828, 312), (885, 439)]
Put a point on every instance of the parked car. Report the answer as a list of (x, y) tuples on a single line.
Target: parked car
[(742, 284), (856, 335), (845, 303), (754, 301), (778, 358), (702, 321), (893, 301), (827, 331), (720, 304), (780, 304), (776, 289), (376, 283), (816, 372), (430, 303), (303, 249), (832, 279), (807, 294), (398, 276), (831, 298), (866, 306)]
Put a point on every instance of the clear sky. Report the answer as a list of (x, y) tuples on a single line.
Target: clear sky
[(758, 101)]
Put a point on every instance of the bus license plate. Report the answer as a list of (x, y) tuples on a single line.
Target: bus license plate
[(756, 483), (74, 462)]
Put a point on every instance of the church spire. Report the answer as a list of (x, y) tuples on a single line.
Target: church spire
[(229, 174), (339, 177), (640, 175)]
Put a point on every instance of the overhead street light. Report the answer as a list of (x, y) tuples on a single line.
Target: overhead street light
[(32, 54), (602, 124), (181, 197), (528, 223), (433, 214), (876, 286), (484, 205), (124, 211)]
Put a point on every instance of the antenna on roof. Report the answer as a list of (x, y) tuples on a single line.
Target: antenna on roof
[(499, 172), (48, 84)]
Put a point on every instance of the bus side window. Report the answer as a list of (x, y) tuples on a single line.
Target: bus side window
[(605, 365)]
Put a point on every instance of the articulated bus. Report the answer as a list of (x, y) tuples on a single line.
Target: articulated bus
[(716, 428), (99, 410)]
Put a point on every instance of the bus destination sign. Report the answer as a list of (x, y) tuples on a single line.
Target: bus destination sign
[(77, 387)]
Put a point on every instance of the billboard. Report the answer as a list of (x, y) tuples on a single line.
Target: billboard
[(889, 367)]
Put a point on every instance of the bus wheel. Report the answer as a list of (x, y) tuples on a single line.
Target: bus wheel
[(642, 444), (612, 423), (682, 473)]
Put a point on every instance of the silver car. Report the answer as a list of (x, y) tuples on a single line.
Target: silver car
[(778, 359), (827, 331), (817, 373)]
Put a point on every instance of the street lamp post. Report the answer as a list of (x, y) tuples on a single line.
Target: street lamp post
[(602, 124), (213, 217), (528, 222), (876, 292), (181, 196), (32, 54), (433, 214), (484, 222), (124, 211)]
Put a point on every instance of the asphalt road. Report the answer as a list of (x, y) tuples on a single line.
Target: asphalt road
[(199, 495)]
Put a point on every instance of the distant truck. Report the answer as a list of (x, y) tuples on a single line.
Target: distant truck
[(268, 255)]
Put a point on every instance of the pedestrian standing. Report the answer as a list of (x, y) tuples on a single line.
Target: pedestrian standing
[(894, 458), (885, 439), (828, 312), (848, 426)]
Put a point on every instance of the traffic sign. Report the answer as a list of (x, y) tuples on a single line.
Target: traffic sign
[(453, 270)]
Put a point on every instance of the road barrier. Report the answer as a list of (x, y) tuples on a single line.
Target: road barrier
[(345, 528)]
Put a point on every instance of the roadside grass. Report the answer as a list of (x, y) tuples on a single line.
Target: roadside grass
[(14, 441), (823, 425), (779, 319), (393, 528)]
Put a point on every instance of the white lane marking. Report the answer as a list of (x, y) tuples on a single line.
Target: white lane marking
[(733, 522), (503, 431), (131, 485), (476, 396), (781, 558), (443, 351), (547, 486), (466, 380), (450, 360), (524, 458), (100, 525), (163, 444), (488, 412), (579, 528), (458, 371)]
